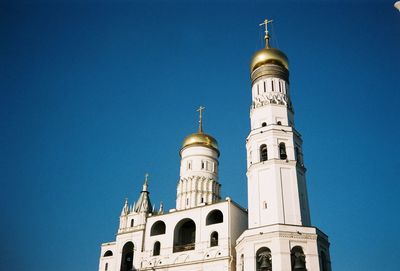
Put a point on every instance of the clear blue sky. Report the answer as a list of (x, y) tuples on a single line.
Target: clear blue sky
[(94, 94)]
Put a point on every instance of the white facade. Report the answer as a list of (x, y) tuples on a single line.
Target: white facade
[(204, 232)]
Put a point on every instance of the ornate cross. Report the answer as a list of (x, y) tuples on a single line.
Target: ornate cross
[(266, 22), (200, 110)]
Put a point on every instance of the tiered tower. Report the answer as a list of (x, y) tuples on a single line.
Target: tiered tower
[(279, 235), (198, 183)]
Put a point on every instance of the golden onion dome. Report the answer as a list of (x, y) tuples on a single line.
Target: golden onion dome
[(200, 139), (269, 56)]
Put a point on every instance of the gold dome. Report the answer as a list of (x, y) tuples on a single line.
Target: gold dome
[(269, 55), (200, 139)]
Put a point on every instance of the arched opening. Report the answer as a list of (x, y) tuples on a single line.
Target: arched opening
[(324, 262), (242, 262), (263, 153), (214, 239), (127, 257), (156, 248), (263, 124), (106, 267), (108, 253), (298, 259), (184, 235), (279, 123), (282, 151), (132, 222), (214, 217), (263, 259), (157, 228)]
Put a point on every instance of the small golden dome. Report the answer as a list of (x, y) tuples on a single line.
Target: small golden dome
[(200, 139), (269, 55)]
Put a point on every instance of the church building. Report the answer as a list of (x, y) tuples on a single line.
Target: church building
[(207, 233)]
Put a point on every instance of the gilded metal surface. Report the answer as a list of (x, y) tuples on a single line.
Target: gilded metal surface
[(270, 71), (200, 139), (269, 55)]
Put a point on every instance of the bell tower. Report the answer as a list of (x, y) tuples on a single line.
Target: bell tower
[(280, 236), (275, 171)]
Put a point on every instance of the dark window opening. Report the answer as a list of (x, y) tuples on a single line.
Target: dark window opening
[(263, 153), (127, 257), (214, 239), (282, 151), (265, 89), (132, 222), (272, 84), (214, 217), (263, 259), (156, 248), (184, 235), (263, 124), (324, 262), (106, 267), (279, 123), (157, 228), (108, 253), (298, 259)]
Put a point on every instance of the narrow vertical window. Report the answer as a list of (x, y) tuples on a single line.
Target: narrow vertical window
[(264, 87), (202, 164), (263, 153), (156, 248), (214, 239), (280, 86), (106, 267), (272, 84), (282, 151), (258, 89), (132, 222), (187, 201)]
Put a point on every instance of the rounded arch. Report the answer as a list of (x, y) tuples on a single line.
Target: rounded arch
[(282, 151), (214, 239), (108, 253), (184, 235), (263, 153), (156, 248), (158, 228), (127, 257), (298, 259), (263, 259), (214, 217)]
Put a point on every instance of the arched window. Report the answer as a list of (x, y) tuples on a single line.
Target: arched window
[(106, 267), (214, 217), (298, 259), (156, 248), (263, 124), (157, 228), (184, 235), (324, 262), (132, 222), (279, 123), (127, 257), (242, 262), (214, 239), (282, 151), (263, 153), (108, 253), (263, 259)]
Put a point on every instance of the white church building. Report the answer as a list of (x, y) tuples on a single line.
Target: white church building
[(207, 233)]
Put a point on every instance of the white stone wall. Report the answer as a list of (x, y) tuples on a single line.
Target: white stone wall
[(280, 239), (203, 257)]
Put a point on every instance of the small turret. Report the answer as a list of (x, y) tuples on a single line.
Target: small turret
[(143, 204), (125, 209)]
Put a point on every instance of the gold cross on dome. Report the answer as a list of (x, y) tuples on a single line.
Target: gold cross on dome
[(266, 22), (200, 110)]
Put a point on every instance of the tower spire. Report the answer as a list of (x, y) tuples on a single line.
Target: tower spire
[(200, 110), (267, 36)]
